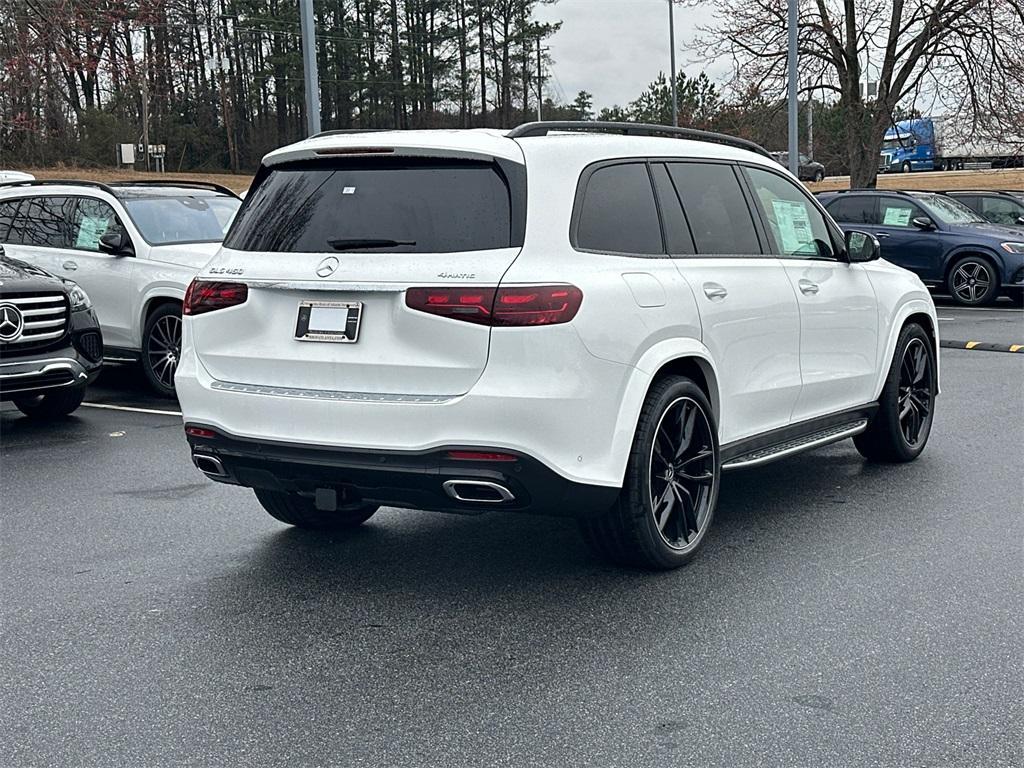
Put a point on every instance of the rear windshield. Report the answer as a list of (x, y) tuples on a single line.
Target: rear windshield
[(379, 205)]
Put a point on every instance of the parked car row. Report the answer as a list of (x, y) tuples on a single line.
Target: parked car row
[(132, 246), (969, 243)]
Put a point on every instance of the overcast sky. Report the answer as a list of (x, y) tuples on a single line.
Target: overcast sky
[(614, 48)]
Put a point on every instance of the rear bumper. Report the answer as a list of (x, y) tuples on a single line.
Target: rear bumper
[(429, 480)]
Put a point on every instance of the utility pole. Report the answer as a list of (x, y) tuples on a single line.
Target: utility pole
[(672, 48), (810, 124), (309, 72), (794, 123), (540, 81), (145, 99)]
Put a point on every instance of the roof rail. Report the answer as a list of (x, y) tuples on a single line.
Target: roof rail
[(175, 183), (542, 128), (112, 187), (58, 182), (906, 192)]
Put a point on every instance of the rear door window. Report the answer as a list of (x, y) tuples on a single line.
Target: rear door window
[(618, 213), (715, 208), (43, 222), (382, 205), (853, 209), (8, 210)]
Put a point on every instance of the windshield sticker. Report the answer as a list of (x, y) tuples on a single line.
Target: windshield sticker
[(90, 231), (794, 227), (897, 217)]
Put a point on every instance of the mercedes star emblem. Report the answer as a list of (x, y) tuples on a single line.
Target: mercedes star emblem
[(12, 323), (327, 267)]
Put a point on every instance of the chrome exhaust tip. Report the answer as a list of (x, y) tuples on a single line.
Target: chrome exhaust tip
[(477, 491), (209, 465)]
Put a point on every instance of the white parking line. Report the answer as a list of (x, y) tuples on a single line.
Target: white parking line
[(129, 408)]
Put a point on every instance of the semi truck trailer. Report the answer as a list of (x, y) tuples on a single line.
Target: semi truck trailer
[(934, 144)]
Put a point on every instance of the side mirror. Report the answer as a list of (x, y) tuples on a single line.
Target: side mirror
[(923, 222), (861, 247), (116, 244)]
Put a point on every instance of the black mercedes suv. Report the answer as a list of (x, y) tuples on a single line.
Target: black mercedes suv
[(50, 341)]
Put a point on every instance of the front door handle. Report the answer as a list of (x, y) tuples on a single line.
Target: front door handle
[(807, 288), (714, 291), (70, 266), (882, 235)]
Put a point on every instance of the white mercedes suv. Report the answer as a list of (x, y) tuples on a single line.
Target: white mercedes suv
[(583, 319), (133, 246)]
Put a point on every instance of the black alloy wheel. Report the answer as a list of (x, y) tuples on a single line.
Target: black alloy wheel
[(682, 473), (972, 281), (899, 430), (670, 489), (161, 348), (916, 392)]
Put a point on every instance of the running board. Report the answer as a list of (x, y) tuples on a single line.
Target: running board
[(797, 445)]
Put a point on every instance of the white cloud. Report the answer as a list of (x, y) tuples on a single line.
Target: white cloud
[(614, 48)]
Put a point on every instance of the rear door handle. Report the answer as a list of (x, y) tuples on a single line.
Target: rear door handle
[(70, 266), (714, 291), (808, 288)]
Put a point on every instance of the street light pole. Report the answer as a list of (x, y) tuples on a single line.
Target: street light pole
[(312, 80), (540, 82), (794, 139), (672, 48)]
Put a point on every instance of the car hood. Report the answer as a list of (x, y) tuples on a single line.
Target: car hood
[(17, 275), (194, 255), (995, 231)]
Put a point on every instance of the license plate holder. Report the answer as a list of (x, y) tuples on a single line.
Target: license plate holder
[(331, 321)]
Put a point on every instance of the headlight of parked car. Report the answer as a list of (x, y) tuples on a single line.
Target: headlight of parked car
[(79, 298), (1013, 247)]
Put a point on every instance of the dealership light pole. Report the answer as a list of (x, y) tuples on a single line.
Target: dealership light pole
[(794, 126), (309, 67), (672, 48)]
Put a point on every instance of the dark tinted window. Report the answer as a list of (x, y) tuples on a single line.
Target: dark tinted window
[(44, 222), (795, 225), (406, 206), (618, 214), (856, 209), (93, 219), (715, 208), (677, 233), (8, 209), (1001, 210)]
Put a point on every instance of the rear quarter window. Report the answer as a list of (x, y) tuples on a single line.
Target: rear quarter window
[(618, 213), (383, 205)]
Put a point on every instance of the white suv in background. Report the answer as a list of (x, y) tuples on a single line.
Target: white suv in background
[(133, 246), (580, 319)]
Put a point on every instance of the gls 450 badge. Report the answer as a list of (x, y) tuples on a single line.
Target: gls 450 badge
[(226, 270)]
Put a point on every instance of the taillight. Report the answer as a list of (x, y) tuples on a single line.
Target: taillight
[(511, 306), (206, 296)]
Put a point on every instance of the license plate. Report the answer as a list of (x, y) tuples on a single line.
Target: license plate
[(336, 321)]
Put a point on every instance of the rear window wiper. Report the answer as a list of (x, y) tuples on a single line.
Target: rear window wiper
[(356, 243)]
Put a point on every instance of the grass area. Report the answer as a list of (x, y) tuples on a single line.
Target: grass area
[(992, 179), (1009, 178), (237, 182)]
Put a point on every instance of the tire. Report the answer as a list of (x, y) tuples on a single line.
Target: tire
[(893, 436), (161, 348), (52, 405), (973, 281), (656, 488), (907, 167), (819, 176), (300, 511)]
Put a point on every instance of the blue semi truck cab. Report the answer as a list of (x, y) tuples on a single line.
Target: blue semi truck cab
[(910, 145)]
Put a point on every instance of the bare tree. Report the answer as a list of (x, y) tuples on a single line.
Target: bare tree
[(960, 57)]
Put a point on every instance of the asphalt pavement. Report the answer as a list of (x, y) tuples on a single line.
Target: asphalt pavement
[(841, 613)]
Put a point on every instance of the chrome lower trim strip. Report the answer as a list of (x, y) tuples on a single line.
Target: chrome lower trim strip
[(11, 378), (826, 439), (326, 394)]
